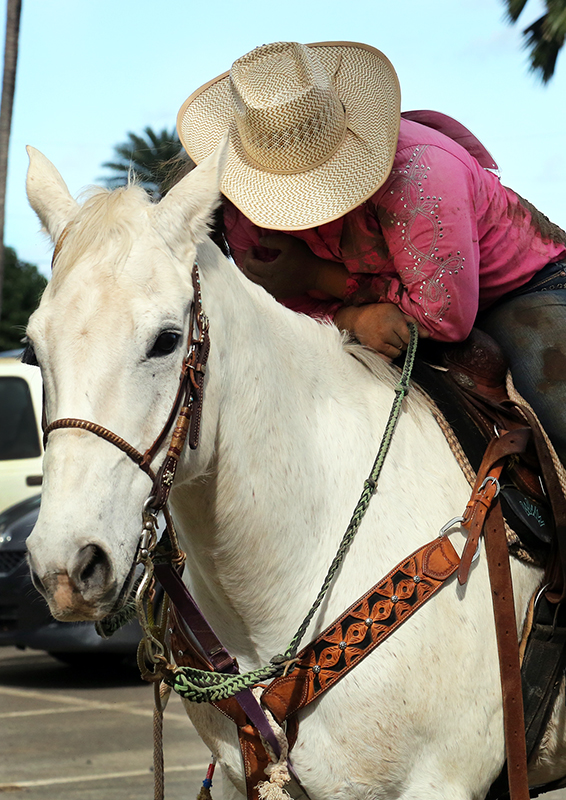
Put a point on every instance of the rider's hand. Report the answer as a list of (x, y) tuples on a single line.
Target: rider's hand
[(293, 272), (381, 326)]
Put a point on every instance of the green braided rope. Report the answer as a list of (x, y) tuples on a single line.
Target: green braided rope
[(107, 626), (370, 487), (200, 686)]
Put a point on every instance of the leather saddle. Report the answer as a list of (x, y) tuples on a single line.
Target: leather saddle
[(467, 382)]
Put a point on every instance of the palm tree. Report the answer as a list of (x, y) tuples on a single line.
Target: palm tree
[(13, 15), (545, 37), (153, 160), (157, 162)]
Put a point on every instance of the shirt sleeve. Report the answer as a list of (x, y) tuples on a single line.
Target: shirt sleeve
[(242, 234), (428, 217)]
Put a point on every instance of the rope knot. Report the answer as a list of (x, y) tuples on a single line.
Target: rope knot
[(200, 686), (284, 663)]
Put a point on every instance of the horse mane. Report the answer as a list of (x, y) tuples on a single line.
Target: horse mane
[(106, 222)]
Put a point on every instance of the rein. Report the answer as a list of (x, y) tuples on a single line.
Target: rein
[(339, 646), (203, 686)]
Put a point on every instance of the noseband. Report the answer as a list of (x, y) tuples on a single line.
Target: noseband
[(186, 410)]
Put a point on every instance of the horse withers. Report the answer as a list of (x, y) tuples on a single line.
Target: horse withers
[(291, 421)]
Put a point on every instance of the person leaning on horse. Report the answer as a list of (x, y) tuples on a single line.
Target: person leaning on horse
[(347, 210), (148, 334)]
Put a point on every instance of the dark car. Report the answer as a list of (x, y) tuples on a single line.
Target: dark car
[(25, 620)]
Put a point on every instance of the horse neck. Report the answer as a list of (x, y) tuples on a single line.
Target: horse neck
[(290, 432)]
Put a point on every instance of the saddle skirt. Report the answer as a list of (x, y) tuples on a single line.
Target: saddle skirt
[(467, 383)]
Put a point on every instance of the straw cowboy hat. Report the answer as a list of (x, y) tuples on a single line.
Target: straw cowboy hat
[(312, 130)]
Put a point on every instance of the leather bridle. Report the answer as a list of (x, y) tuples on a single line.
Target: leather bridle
[(186, 411)]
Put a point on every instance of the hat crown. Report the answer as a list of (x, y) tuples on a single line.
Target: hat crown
[(288, 114)]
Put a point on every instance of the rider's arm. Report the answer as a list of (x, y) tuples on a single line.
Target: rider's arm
[(428, 217)]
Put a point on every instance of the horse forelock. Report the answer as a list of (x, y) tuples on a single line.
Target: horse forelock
[(107, 224)]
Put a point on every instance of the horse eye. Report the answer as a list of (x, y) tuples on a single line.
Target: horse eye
[(165, 343), (28, 356)]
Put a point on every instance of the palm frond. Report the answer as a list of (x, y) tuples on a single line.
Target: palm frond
[(145, 157), (545, 37), (514, 8), (544, 46), (556, 18)]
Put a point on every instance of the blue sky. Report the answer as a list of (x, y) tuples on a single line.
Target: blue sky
[(91, 70)]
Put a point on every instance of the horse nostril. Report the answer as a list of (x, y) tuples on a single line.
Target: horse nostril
[(93, 569), (37, 582)]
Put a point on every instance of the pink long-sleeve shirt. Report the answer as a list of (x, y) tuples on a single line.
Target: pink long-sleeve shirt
[(442, 238)]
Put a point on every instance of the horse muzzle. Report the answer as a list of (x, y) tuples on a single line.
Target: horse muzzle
[(87, 590)]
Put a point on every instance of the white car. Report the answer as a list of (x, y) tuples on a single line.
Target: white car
[(21, 448)]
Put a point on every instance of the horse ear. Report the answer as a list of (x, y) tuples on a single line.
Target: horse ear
[(186, 211), (48, 194)]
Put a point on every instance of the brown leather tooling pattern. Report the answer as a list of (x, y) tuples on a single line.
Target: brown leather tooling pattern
[(362, 627), (325, 660)]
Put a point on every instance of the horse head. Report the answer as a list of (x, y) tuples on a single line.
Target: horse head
[(110, 336)]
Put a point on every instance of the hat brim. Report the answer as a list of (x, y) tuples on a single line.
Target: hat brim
[(369, 89)]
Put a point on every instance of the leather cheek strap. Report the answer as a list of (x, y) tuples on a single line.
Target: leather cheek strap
[(186, 410)]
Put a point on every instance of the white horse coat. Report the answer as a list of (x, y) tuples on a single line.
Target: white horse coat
[(292, 420)]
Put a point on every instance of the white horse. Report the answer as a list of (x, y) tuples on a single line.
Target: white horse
[(292, 421)]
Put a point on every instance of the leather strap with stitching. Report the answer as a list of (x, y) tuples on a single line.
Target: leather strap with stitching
[(484, 512), (360, 629), (186, 410), (508, 649), (485, 489)]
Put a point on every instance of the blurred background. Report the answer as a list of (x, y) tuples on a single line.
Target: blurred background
[(90, 71)]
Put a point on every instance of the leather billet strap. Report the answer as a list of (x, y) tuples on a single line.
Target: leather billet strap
[(189, 643), (483, 513), (508, 650), (195, 644), (486, 488), (186, 411), (216, 657)]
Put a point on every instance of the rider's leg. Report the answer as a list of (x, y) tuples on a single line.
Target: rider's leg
[(531, 329)]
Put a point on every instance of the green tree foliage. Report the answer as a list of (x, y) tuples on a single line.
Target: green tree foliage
[(545, 37), (23, 286), (152, 159)]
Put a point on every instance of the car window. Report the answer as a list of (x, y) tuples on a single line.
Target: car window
[(18, 429)]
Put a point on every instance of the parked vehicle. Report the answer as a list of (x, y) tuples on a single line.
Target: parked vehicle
[(25, 620), (21, 449)]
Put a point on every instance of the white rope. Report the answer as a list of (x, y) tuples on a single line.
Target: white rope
[(277, 771)]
